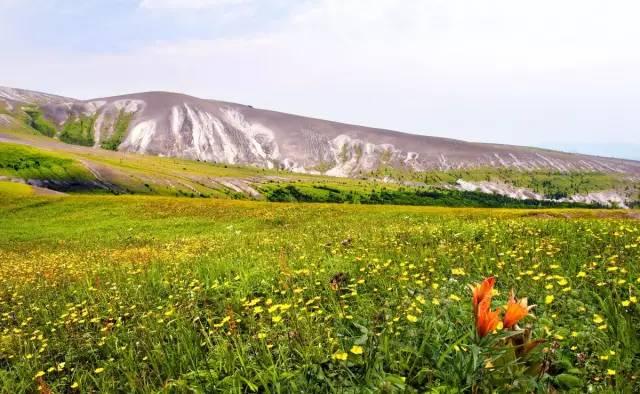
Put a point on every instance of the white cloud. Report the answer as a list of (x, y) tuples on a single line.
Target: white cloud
[(187, 4), (497, 70)]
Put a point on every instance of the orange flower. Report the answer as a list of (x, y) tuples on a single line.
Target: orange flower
[(486, 319), (515, 311), (482, 291)]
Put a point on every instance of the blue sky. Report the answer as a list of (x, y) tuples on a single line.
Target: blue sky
[(549, 73)]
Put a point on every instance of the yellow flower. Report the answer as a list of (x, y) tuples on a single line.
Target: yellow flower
[(262, 335), (99, 370), (412, 318), (454, 297), (458, 271), (357, 349), (581, 274), (342, 356), (39, 374), (548, 299), (626, 303), (611, 372), (276, 319), (597, 319), (75, 385)]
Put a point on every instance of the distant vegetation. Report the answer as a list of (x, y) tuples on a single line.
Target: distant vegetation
[(78, 131), (29, 163), (37, 121), (401, 196), (551, 184), (119, 130)]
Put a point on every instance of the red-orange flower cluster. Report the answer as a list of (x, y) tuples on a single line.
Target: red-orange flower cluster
[(488, 320), (483, 291), (516, 311)]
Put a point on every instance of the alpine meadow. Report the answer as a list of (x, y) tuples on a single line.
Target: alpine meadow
[(147, 294)]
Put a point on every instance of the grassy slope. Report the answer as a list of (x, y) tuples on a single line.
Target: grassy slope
[(34, 118), (78, 131), (132, 175), (120, 127), (140, 174), (553, 184), (141, 287), (31, 163), (9, 190)]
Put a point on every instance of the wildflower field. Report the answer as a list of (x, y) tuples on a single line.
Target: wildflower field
[(148, 294)]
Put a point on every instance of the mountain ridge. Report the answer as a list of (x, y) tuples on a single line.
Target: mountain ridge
[(178, 125)]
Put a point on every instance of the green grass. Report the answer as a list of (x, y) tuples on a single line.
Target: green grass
[(148, 294), (553, 184), (78, 131), (120, 128), (39, 123), (31, 163), (398, 195), (14, 190)]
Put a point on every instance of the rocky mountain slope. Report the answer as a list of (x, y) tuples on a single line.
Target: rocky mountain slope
[(177, 125)]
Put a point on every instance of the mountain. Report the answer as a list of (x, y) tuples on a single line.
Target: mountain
[(177, 125)]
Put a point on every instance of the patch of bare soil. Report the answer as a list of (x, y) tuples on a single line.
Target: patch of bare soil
[(42, 191)]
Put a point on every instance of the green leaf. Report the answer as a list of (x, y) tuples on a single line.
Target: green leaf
[(568, 381)]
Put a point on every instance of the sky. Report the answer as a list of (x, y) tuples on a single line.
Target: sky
[(560, 74)]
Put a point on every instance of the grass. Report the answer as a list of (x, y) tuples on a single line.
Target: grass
[(14, 190), (120, 128), (331, 192), (39, 123), (31, 163), (148, 294), (78, 131), (552, 184)]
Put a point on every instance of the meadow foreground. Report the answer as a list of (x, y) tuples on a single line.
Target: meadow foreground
[(147, 294)]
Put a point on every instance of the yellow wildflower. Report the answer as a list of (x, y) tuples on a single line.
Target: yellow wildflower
[(357, 349), (342, 356)]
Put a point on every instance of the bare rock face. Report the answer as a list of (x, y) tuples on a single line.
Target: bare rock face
[(170, 124), (31, 97)]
